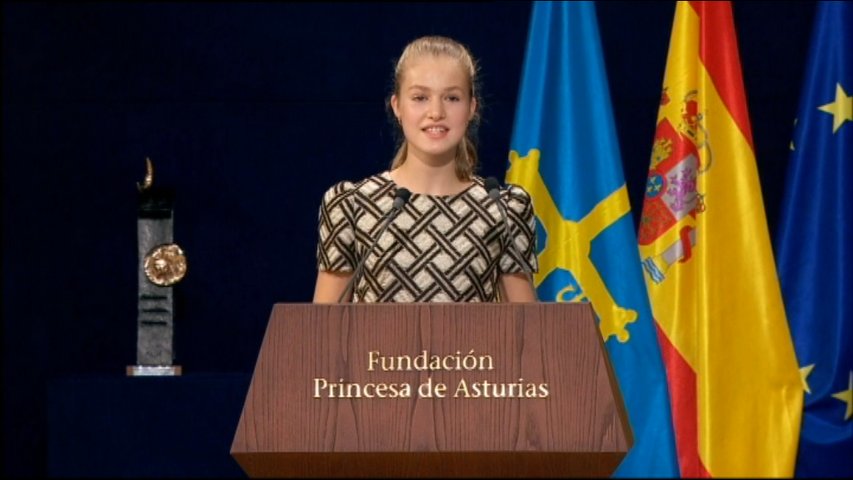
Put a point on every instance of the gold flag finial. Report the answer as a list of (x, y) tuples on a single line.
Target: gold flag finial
[(149, 176)]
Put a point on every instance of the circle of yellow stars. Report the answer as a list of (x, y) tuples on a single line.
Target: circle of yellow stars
[(845, 396), (841, 109)]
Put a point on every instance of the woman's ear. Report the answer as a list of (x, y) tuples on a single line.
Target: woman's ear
[(394, 107), (473, 111)]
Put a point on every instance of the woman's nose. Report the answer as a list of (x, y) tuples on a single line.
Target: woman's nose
[(436, 110)]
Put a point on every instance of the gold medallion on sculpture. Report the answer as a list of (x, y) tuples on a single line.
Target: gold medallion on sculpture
[(165, 265)]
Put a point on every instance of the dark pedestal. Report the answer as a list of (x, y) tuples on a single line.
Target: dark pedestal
[(117, 426)]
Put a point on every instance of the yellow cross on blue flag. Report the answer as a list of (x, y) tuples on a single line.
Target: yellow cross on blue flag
[(565, 153), (813, 245)]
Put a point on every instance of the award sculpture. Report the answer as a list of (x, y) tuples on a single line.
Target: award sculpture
[(162, 264)]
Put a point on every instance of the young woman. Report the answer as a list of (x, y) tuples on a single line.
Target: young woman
[(427, 230)]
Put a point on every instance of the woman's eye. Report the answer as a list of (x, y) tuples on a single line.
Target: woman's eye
[(453, 98), (419, 98)]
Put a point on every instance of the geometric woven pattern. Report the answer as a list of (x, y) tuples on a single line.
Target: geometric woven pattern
[(438, 249)]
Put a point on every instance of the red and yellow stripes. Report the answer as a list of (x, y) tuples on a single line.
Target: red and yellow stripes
[(734, 383), (718, 53), (685, 416)]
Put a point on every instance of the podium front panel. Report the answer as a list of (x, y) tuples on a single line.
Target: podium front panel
[(420, 390)]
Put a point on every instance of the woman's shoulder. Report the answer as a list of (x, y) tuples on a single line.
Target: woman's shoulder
[(344, 188), (511, 193), (518, 199), (517, 192)]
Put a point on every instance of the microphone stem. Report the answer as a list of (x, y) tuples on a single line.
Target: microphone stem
[(360, 268)]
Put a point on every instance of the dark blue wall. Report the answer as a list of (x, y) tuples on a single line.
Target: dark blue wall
[(250, 111)]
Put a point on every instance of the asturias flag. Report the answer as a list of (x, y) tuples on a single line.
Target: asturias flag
[(814, 246), (733, 377), (564, 152)]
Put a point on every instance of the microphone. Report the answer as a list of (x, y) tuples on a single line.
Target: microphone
[(401, 196), (493, 187)]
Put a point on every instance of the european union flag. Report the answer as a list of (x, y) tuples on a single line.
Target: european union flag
[(565, 154), (813, 246)]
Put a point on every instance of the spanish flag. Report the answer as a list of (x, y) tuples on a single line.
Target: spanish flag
[(732, 373)]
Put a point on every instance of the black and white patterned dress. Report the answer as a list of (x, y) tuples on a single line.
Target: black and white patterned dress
[(449, 248)]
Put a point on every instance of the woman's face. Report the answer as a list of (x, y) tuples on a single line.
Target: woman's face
[(434, 106)]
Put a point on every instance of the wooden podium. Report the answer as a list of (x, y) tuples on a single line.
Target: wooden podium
[(355, 390)]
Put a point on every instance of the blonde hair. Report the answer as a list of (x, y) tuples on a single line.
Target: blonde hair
[(466, 153)]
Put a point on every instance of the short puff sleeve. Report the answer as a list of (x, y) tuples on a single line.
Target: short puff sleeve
[(336, 245), (522, 232)]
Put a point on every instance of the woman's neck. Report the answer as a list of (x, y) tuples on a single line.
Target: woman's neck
[(428, 179)]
